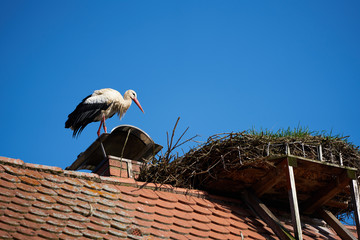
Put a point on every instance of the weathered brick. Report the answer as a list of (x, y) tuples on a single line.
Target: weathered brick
[(7, 185), (10, 178), (31, 224), (36, 218), (62, 208), (34, 174), (18, 208), (70, 188), (91, 234), (25, 195), (5, 234), (76, 225), (45, 198), (97, 228), (11, 161), (14, 170), (46, 234), (56, 222), (59, 216), (38, 212), (72, 232), (29, 181), (9, 221), (99, 221), (26, 188), (117, 234), (13, 214), (26, 231)]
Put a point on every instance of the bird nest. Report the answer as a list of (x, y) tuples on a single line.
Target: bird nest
[(227, 163)]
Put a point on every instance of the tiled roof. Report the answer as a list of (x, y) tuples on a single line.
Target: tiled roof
[(42, 202)]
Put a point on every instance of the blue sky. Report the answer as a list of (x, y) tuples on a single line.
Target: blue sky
[(221, 66)]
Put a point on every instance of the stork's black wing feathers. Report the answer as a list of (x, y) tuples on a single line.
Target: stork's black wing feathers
[(84, 114)]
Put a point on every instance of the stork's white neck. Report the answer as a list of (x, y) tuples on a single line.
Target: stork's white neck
[(126, 103), (123, 106)]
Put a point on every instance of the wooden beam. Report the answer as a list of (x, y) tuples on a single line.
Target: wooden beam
[(339, 228), (326, 194), (269, 181), (311, 164), (356, 201), (254, 203), (337, 204), (295, 215)]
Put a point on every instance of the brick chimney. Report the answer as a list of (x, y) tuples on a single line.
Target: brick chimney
[(119, 153), (119, 167)]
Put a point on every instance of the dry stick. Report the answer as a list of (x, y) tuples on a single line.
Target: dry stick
[(177, 144), (238, 147), (223, 162), (341, 159), (208, 170), (303, 149), (173, 133), (164, 160), (170, 147)]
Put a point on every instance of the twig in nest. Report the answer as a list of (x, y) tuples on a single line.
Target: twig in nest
[(162, 169), (177, 144)]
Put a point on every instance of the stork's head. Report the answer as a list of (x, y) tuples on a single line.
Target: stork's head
[(133, 96)]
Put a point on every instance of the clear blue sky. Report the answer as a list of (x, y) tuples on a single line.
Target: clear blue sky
[(221, 66)]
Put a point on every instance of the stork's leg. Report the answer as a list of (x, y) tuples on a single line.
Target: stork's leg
[(103, 120), (98, 132)]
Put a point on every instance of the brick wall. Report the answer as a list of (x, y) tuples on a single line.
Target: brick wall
[(117, 167)]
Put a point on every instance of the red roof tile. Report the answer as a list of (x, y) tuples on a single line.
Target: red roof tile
[(201, 218), (220, 213), (13, 170), (204, 203), (10, 178), (7, 184), (201, 226), (146, 201), (183, 207), (165, 204), (11, 161), (201, 210), (167, 197), (217, 236), (164, 220), (199, 233), (164, 212), (150, 194), (182, 215), (42, 202), (186, 199), (176, 236)]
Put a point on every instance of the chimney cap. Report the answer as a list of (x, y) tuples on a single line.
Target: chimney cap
[(124, 141)]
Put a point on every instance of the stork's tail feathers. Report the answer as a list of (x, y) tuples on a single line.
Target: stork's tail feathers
[(83, 115), (74, 125)]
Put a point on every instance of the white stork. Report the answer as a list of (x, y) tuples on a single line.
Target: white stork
[(100, 105)]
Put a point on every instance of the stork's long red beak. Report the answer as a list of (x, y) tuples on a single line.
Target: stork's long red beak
[(138, 104)]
